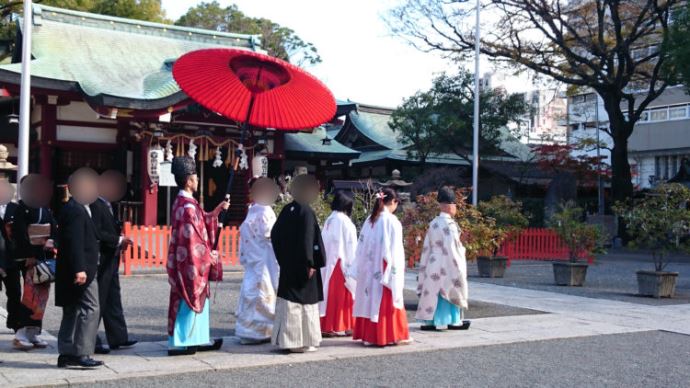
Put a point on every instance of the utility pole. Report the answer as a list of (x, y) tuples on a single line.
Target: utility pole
[(475, 136), (25, 96)]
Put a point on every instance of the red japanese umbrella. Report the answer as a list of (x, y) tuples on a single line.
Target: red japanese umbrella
[(255, 90)]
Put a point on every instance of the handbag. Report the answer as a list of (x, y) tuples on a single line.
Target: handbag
[(44, 271), (216, 272)]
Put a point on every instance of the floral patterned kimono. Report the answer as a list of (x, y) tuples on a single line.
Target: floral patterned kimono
[(442, 282), (379, 309), (189, 262), (256, 307)]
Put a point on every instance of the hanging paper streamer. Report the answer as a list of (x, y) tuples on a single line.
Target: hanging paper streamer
[(168, 151), (244, 165), (192, 149), (218, 161)]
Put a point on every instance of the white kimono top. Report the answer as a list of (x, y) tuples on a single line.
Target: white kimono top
[(339, 236), (379, 243), (442, 268), (256, 307)]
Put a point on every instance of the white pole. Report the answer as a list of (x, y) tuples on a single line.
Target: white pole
[(475, 136), (25, 97)]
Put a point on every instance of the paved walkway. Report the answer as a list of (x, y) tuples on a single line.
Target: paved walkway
[(566, 316)]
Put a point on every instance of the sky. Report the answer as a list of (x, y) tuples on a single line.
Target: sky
[(361, 60)]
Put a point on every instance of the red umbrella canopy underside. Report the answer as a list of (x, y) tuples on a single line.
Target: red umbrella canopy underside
[(224, 81)]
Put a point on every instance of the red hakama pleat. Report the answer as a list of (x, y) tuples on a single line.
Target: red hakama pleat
[(392, 326), (338, 316)]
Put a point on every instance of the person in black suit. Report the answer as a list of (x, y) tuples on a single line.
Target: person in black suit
[(76, 288), (112, 186), (9, 270)]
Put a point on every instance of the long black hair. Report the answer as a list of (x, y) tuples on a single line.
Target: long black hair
[(384, 197), (342, 202)]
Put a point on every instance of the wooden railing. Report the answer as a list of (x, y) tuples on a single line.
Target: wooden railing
[(128, 211), (538, 244), (150, 248)]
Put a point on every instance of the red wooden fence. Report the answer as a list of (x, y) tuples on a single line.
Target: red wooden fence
[(538, 244), (150, 248)]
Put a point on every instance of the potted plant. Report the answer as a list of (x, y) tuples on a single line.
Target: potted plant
[(582, 240), (502, 219), (660, 223)]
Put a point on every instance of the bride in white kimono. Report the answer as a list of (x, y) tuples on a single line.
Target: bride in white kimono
[(256, 307)]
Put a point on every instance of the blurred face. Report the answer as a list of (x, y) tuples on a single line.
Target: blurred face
[(112, 185), (83, 186), (264, 192), (6, 192), (36, 191), (304, 189)]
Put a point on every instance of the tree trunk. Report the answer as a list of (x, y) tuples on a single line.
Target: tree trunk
[(621, 178)]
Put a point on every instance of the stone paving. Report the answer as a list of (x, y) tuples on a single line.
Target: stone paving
[(566, 316)]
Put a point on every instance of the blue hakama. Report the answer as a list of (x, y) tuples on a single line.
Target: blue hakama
[(191, 329), (446, 314)]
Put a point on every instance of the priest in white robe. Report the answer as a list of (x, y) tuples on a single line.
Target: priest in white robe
[(442, 281), (256, 307)]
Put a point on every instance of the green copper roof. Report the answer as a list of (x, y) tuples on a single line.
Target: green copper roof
[(373, 124), (311, 145), (113, 61), (401, 155)]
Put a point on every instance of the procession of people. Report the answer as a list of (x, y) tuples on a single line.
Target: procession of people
[(302, 281)]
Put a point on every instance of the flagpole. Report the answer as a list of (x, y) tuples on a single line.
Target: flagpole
[(475, 136), (25, 96)]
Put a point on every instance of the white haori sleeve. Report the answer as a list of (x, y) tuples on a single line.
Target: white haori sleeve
[(367, 271), (394, 255), (340, 241)]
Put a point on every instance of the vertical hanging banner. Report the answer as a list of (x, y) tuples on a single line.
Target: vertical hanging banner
[(260, 165), (154, 162)]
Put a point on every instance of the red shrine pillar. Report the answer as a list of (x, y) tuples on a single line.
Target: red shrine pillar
[(149, 193), (48, 136)]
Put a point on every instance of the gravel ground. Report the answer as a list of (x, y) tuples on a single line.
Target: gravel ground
[(145, 300), (608, 278), (623, 360)]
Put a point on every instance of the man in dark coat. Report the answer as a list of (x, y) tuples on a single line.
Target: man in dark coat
[(76, 288), (299, 250), (9, 270), (112, 186)]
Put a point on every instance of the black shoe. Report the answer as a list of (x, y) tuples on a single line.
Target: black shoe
[(102, 350), (83, 362), (182, 352), (217, 344), (428, 328), (465, 326), (124, 345)]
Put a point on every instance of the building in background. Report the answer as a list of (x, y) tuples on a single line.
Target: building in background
[(546, 121)]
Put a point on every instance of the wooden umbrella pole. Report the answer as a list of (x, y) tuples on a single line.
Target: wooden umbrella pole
[(225, 215)]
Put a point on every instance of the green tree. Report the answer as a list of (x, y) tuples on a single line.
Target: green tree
[(608, 46), (440, 120), (678, 46), (149, 10), (278, 41)]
